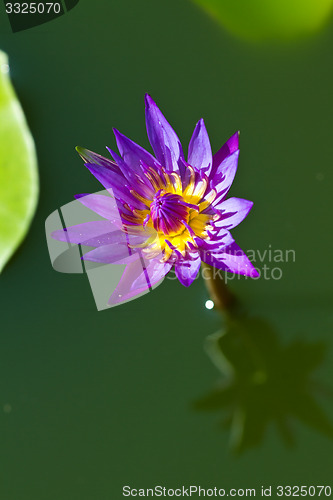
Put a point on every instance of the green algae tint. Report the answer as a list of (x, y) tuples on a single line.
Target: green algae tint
[(18, 169)]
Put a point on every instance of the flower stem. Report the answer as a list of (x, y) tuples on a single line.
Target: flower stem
[(220, 294)]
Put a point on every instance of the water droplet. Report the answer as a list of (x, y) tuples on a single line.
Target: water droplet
[(209, 304)]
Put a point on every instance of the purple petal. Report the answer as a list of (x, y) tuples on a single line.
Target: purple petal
[(132, 153), (220, 238), (187, 270), (91, 157), (110, 254), (116, 183), (103, 205), (154, 272), (110, 238), (233, 210), (83, 232), (138, 181), (163, 139), (227, 149), (136, 280), (98, 241), (100, 233), (123, 290), (224, 177), (199, 150), (231, 259)]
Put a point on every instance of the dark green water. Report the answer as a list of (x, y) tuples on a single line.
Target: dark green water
[(92, 401)]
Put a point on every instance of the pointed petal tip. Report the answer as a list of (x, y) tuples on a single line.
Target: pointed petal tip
[(234, 137), (150, 104), (120, 138), (187, 271), (112, 153), (88, 156), (199, 149), (162, 137), (201, 124), (118, 134), (149, 100), (78, 196), (185, 282), (115, 299), (255, 273), (250, 270), (83, 152)]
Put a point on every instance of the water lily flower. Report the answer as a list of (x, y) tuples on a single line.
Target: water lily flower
[(170, 210)]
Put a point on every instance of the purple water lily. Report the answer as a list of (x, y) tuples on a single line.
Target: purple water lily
[(171, 211)]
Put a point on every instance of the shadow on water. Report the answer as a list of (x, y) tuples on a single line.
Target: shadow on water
[(263, 382)]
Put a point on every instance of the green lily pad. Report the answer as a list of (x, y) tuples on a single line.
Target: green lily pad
[(18, 169), (261, 20)]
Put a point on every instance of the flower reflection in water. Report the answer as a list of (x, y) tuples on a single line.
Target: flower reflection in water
[(264, 381)]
